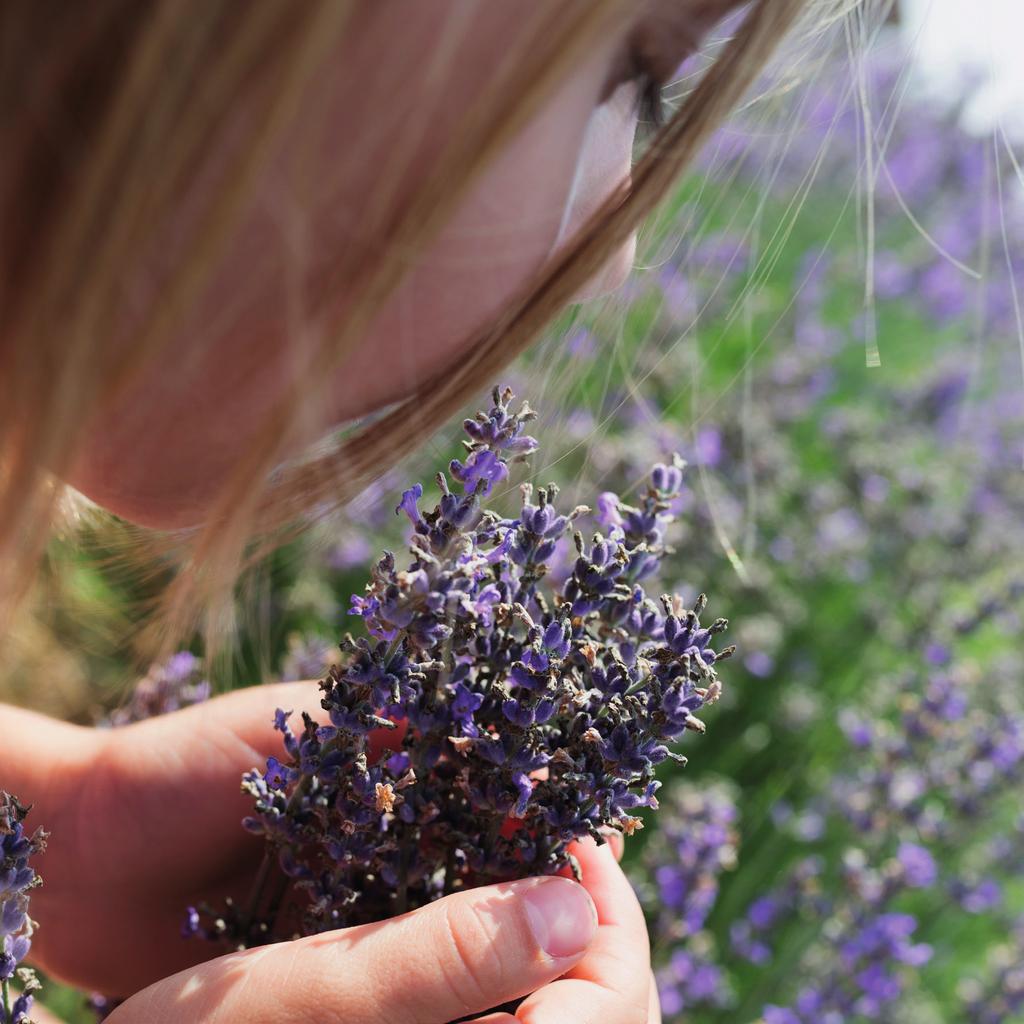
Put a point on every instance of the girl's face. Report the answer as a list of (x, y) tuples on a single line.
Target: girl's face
[(163, 451)]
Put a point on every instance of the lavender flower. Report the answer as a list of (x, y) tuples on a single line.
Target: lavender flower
[(865, 953), (167, 686), (691, 979), (801, 893), (17, 879), (514, 719), (308, 657), (695, 844), (955, 744), (1000, 997)]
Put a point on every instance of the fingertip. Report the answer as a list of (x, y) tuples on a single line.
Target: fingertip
[(653, 1002), (249, 711), (606, 882), (591, 855), (616, 844), (477, 949), (561, 915)]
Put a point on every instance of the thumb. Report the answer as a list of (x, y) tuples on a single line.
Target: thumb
[(465, 954)]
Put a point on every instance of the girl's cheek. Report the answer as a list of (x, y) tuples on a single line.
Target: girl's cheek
[(537, 193), (613, 275), (164, 451), (606, 159)]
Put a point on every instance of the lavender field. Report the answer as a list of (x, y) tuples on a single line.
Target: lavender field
[(825, 326)]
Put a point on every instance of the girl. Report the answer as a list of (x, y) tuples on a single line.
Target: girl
[(226, 229)]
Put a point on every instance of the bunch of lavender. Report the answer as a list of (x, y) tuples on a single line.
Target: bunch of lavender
[(514, 719), (17, 879)]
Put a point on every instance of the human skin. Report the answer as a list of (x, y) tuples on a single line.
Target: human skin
[(159, 454), (144, 820)]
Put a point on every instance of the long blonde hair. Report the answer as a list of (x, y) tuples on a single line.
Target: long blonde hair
[(133, 76)]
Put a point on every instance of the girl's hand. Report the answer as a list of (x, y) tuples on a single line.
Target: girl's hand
[(145, 820), (460, 956), (612, 984)]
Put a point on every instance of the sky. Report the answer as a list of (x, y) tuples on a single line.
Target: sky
[(950, 35)]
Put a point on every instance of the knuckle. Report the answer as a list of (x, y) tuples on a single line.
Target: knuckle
[(476, 964), (622, 1010), (310, 998), (306, 993)]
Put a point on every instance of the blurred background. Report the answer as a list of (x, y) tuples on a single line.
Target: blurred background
[(825, 322)]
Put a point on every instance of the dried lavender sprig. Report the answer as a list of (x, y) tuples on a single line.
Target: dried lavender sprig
[(17, 880), (516, 717)]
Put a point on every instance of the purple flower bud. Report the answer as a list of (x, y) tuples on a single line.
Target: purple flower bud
[(481, 471), (608, 510), (918, 865), (409, 504), (17, 879)]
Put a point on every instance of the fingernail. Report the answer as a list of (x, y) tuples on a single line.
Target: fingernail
[(561, 915)]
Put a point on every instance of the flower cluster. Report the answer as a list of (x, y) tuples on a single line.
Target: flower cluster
[(690, 978), (487, 720), (956, 745), (308, 657), (169, 685), (863, 975), (934, 765), (17, 879), (695, 844), (1001, 996), (865, 951), (799, 893)]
